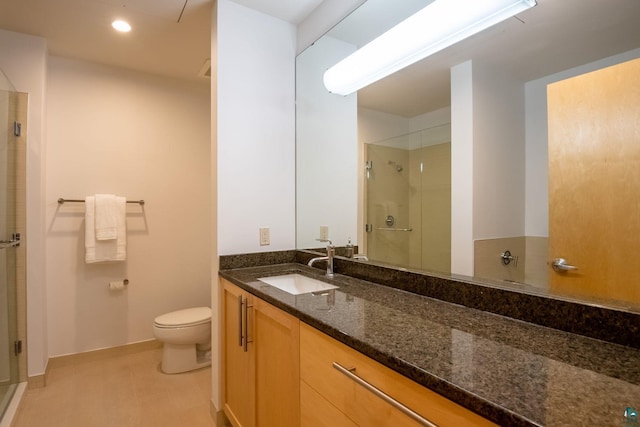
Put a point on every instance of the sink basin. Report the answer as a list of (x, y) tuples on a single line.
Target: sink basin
[(297, 284)]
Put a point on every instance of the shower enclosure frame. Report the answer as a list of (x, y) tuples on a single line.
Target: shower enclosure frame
[(407, 199), (13, 115)]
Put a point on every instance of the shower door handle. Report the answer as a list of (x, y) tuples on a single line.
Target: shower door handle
[(15, 241), (9, 243)]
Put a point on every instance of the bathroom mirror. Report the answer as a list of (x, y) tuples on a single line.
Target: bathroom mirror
[(508, 183)]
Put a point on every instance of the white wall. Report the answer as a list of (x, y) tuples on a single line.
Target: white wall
[(462, 166), (322, 19), (488, 187), (376, 126), (110, 130), (24, 59), (256, 125), (498, 153), (326, 151), (253, 140), (431, 119)]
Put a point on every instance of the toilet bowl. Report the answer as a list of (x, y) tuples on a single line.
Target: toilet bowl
[(186, 335)]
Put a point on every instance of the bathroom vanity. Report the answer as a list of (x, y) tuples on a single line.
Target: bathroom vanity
[(260, 359), (447, 363)]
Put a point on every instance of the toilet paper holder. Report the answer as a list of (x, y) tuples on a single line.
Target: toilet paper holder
[(118, 284)]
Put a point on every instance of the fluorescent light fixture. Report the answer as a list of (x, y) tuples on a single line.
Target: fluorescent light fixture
[(437, 26), (121, 26)]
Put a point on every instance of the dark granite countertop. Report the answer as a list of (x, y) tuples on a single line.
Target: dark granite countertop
[(509, 371)]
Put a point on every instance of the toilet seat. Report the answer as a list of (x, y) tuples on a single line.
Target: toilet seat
[(183, 318)]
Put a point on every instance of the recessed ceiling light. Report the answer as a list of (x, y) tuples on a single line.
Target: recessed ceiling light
[(121, 26)]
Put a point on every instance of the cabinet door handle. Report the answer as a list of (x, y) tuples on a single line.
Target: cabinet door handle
[(240, 320), (245, 331), (349, 372)]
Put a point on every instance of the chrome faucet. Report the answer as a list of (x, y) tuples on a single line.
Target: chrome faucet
[(331, 251)]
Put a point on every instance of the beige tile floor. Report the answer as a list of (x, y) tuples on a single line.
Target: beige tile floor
[(124, 390)]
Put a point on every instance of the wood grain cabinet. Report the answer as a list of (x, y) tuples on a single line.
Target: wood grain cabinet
[(332, 397), (239, 363), (261, 368), (279, 372)]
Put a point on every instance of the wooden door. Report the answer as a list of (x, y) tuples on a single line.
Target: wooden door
[(277, 347), (594, 183), (238, 364)]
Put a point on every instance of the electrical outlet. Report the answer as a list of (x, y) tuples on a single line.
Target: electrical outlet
[(324, 232), (265, 239)]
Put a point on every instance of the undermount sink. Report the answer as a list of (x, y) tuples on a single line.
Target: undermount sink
[(297, 284)]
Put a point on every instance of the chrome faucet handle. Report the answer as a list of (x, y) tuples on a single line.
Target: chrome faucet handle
[(331, 251), (325, 241)]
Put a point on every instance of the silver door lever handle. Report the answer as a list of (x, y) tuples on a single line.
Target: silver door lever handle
[(560, 264)]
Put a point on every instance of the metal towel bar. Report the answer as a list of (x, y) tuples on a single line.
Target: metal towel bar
[(61, 201), (394, 229)]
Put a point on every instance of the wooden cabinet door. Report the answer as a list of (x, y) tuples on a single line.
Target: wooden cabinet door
[(261, 384), (238, 361), (277, 358)]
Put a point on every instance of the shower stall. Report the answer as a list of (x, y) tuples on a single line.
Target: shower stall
[(12, 233), (408, 200)]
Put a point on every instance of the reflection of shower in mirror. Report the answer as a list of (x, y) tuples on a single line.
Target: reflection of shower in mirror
[(398, 166)]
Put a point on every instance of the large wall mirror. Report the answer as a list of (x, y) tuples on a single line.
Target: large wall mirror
[(446, 166)]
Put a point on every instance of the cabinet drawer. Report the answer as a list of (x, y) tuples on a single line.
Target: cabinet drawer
[(318, 352), (316, 411)]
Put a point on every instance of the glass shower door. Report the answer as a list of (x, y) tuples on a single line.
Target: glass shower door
[(408, 200), (9, 243), (389, 188)]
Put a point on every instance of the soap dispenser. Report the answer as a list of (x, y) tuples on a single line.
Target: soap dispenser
[(349, 249), (630, 418)]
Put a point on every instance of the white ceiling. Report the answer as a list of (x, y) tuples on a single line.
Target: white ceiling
[(293, 11), (553, 36), (159, 42)]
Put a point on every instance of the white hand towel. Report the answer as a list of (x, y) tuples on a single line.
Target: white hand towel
[(106, 217), (105, 250)]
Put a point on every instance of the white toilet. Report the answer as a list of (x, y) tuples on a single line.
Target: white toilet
[(186, 335)]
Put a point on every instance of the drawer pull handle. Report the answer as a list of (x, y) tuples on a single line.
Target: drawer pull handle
[(349, 372)]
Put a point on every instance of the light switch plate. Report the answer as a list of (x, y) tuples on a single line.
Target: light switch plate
[(265, 239), (324, 232)]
